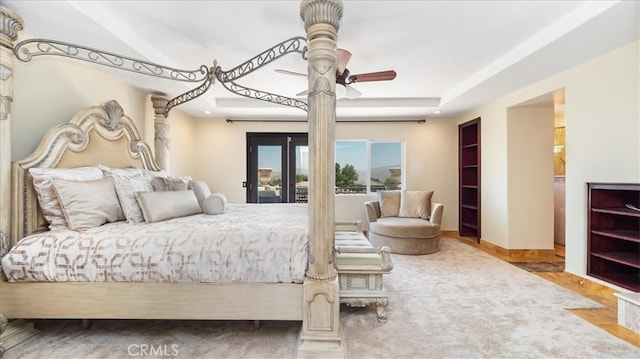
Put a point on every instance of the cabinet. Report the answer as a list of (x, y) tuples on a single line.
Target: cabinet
[(614, 234), (469, 179)]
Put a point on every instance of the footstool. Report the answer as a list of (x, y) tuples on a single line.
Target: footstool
[(360, 268)]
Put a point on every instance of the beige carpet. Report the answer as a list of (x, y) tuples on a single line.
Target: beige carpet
[(458, 303)]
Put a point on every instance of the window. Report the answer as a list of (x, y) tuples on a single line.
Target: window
[(368, 166)]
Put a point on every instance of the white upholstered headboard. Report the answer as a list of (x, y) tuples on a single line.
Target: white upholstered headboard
[(98, 135)]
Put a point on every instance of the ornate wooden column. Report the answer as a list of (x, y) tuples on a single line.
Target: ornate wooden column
[(321, 334), (162, 128), (10, 24)]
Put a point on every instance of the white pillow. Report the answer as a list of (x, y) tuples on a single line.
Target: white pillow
[(415, 204), (160, 206), (126, 187), (47, 198), (201, 190), (216, 203), (88, 204)]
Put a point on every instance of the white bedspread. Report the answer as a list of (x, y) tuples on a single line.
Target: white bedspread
[(248, 243)]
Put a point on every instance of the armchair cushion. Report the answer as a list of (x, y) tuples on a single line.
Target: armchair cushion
[(405, 227), (415, 204), (389, 203)]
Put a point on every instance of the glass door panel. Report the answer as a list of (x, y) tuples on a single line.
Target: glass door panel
[(301, 173), (269, 179)]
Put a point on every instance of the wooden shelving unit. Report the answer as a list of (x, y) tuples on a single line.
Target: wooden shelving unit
[(469, 178), (614, 234)]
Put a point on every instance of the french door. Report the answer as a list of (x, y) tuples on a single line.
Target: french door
[(277, 167)]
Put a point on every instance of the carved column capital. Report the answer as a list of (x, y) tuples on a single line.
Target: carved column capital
[(325, 12), (159, 104), (10, 25)]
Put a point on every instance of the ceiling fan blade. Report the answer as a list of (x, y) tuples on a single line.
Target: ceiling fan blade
[(303, 93), (342, 59), (352, 93), (373, 76), (287, 72)]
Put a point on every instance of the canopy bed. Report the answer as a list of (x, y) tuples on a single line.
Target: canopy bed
[(104, 136)]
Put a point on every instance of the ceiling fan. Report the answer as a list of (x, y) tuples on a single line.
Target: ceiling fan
[(344, 78)]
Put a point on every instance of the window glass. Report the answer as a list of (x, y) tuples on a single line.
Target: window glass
[(351, 167), (386, 165), (368, 166)]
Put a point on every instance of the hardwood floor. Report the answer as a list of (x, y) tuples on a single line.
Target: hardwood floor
[(604, 318)]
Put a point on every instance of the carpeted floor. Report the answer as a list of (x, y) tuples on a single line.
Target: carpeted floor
[(457, 303)]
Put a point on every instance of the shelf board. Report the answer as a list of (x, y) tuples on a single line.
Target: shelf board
[(628, 281), (469, 186), (471, 145), (621, 211), (632, 236), (470, 225), (626, 258), (468, 206), (470, 166)]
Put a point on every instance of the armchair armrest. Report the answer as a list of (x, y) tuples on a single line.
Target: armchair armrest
[(436, 212), (372, 212)]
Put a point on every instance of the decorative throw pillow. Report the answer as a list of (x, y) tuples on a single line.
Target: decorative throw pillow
[(127, 172), (160, 206), (216, 203), (201, 190), (415, 204), (87, 204), (126, 187), (389, 203), (45, 192), (169, 184)]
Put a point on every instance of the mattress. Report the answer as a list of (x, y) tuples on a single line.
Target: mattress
[(249, 243)]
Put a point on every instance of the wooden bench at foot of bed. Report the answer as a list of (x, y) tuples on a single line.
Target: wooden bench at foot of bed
[(360, 268)]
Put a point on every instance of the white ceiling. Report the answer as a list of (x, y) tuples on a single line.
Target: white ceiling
[(449, 55)]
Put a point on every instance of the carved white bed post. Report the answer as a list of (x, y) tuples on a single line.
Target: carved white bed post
[(162, 128), (321, 334), (10, 24)]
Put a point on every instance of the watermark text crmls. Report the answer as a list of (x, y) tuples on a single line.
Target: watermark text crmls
[(153, 350)]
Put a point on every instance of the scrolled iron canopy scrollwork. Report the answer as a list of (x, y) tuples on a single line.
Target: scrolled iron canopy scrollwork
[(27, 49)]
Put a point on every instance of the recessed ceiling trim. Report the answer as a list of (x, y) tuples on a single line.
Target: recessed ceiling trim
[(546, 36)]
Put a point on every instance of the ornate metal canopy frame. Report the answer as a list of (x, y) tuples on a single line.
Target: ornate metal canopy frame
[(28, 49)]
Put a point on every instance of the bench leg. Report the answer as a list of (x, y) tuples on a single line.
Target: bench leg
[(381, 305)]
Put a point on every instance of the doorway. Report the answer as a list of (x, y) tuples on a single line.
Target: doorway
[(277, 167)]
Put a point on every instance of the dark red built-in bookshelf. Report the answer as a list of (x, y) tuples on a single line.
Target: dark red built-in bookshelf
[(469, 179), (614, 234)]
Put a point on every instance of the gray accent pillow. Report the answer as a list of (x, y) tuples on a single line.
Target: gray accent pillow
[(169, 184), (87, 204), (160, 206), (126, 187), (415, 204), (216, 203), (201, 190), (389, 203)]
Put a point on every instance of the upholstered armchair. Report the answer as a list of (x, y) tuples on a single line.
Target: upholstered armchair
[(408, 222)]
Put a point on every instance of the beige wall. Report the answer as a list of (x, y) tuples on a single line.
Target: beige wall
[(602, 141), (49, 91), (530, 177), (430, 159)]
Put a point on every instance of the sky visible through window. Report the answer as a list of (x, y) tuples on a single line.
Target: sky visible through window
[(383, 154)]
